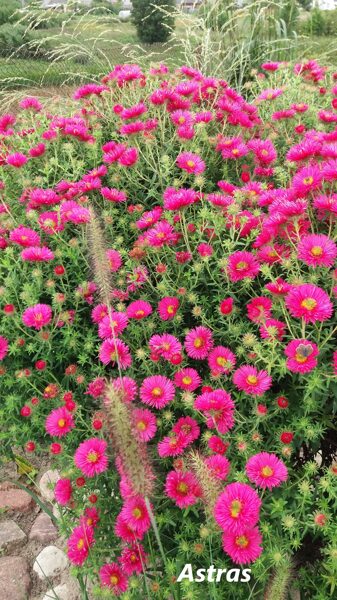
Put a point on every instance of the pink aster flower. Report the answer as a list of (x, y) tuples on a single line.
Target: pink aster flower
[(96, 387), (30, 103), (237, 508), (90, 457), (242, 265), (36, 254), (113, 195), (176, 199), (192, 163), (251, 381), (99, 312), (59, 422), (266, 470), (317, 250), (127, 387), (272, 329), (218, 408), (219, 466), (301, 356), (16, 160), (199, 342), (24, 236), (163, 233), (182, 488), (79, 543), (37, 316), (306, 180), (157, 391), (244, 548), (259, 309), (115, 351), (309, 302), (217, 445), (114, 259), (187, 379), (3, 347), (270, 94), (133, 559), (112, 325), (167, 308), (279, 287), (187, 428), (111, 576), (135, 514), (172, 445), (63, 491), (124, 531), (166, 346), (221, 360), (144, 424), (139, 309)]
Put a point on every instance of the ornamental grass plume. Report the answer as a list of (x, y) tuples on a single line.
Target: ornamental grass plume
[(98, 255), (130, 450), (278, 585), (210, 485)]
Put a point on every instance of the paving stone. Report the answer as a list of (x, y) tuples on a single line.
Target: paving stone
[(14, 578), (43, 529), (14, 499), (11, 536), (47, 483), (50, 562)]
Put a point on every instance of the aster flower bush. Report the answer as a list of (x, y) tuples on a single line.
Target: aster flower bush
[(168, 328)]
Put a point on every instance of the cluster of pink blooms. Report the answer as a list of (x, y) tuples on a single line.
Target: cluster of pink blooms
[(273, 226)]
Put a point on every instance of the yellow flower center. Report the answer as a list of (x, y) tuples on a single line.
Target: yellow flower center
[(170, 309), (252, 379), (38, 317), (235, 508), (187, 380), (113, 579), (241, 265), (80, 544), (190, 163), (157, 391), (300, 358), (198, 342), (317, 251), (308, 180), (235, 151), (221, 361), (182, 487), (309, 303), (264, 152), (61, 423), (141, 425), (267, 471), (137, 513), (92, 456), (242, 541), (140, 313), (181, 120)]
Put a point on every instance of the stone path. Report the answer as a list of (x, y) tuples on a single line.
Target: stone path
[(33, 562)]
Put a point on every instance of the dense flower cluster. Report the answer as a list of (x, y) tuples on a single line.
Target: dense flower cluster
[(169, 321)]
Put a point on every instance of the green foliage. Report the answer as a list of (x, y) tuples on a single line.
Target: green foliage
[(315, 24), (7, 11), (305, 4), (11, 38), (153, 20)]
